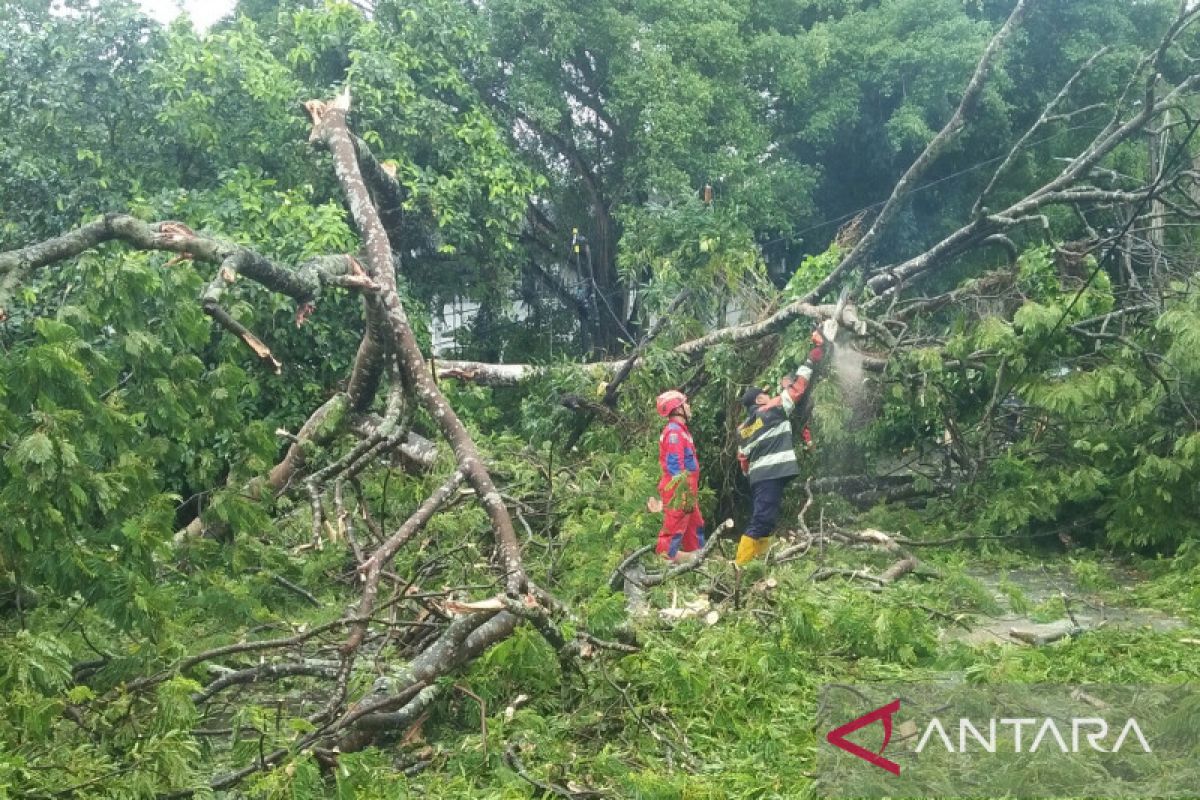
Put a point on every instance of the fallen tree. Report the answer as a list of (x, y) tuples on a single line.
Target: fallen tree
[(387, 354)]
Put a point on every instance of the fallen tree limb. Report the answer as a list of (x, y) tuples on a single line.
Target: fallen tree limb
[(1041, 635), (303, 283), (618, 575), (372, 568), (516, 765), (908, 181), (461, 642), (262, 672), (417, 453), (512, 374), (330, 129), (892, 574), (646, 580), (898, 570), (233, 649), (322, 427), (1069, 186)]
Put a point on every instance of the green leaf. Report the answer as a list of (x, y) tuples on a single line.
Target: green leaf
[(33, 449)]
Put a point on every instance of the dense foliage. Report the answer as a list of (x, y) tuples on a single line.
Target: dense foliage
[(719, 159)]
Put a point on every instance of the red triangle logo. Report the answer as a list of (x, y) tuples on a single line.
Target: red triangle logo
[(837, 736)]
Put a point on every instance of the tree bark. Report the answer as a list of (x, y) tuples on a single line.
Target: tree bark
[(513, 374), (329, 128)]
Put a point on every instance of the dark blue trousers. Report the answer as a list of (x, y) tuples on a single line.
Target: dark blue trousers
[(767, 497)]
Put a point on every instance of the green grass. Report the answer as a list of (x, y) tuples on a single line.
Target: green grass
[(728, 710)]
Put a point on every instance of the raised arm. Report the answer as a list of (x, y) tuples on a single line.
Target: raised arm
[(795, 386)]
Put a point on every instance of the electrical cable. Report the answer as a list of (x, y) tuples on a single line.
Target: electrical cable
[(590, 282), (980, 165), (1112, 246)]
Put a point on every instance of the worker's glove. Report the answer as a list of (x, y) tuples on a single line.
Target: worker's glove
[(818, 349), (744, 462)]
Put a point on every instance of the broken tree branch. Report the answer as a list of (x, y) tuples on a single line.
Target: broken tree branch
[(928, 156), (513, 374), (302, 283), (329, 128), (515, 764), (1069, 186), (893, 573)]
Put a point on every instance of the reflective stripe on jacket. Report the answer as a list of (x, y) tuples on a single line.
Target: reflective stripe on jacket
[(765, 439)]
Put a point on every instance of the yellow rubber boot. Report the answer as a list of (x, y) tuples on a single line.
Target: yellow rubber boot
[(747, 549), (761, 546)]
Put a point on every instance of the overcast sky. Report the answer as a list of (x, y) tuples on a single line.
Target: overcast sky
[(203, 12)]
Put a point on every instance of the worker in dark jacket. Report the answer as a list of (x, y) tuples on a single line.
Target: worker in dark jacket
[(767, 453)]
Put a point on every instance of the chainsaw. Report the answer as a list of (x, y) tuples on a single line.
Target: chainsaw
[(829, 328)]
